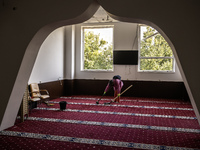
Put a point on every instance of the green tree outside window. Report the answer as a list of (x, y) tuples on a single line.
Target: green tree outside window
[(155, 53), (98, 53)]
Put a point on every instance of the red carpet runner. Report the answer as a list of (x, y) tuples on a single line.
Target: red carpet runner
[(135, 123)]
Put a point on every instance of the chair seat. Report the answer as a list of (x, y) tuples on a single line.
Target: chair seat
[(44, 96), (35, 99)]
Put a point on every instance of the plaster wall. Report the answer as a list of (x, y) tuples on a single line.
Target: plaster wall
[(49, 62), (24, 27), (26, 24), (125, 38)]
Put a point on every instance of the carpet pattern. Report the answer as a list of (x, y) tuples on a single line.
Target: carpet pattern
[(135, 123)]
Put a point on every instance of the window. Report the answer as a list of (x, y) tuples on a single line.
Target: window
[(155, 54), (97, 48)]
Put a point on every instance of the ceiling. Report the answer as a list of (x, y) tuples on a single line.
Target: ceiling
[(100, 16)]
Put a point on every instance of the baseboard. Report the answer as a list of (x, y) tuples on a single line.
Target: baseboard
[(152, 89)]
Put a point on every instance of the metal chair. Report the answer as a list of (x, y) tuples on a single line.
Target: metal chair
[(40, 95)]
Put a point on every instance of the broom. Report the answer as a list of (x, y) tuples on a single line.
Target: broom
[(120, 95), (97, 102)]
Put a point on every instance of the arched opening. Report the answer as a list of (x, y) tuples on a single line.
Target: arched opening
[(9, 111), (55, 28)]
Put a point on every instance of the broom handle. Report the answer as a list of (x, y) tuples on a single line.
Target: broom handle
[(100, 98), (123, 92)]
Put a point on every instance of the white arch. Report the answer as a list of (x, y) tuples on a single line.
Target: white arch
[(28, 61)]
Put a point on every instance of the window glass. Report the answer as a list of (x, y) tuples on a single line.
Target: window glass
[(154, 52), (98, 48), (158, 64)]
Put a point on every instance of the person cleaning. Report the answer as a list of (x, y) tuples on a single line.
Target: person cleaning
[(117, 85)]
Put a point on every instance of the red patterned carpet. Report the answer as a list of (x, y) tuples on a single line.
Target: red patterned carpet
[(134, 123)]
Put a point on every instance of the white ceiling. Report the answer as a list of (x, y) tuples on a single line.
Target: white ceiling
[(100, 16)]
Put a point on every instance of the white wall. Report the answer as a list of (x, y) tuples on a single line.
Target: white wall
[(56, 57), (69, 54), (49, 63), (125, 38)]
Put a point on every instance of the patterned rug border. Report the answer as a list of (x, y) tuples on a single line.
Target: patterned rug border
[(144, 101), (118, 113), (128, 106), (134, 126), (92, 141)]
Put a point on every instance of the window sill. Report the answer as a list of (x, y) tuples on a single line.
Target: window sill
[(97, 70), (149, 71)]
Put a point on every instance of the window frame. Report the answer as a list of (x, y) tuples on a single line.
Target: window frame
[(141, 57), (83, 47)]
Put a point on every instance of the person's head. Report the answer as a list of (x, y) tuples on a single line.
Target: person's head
[(111, 83)]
